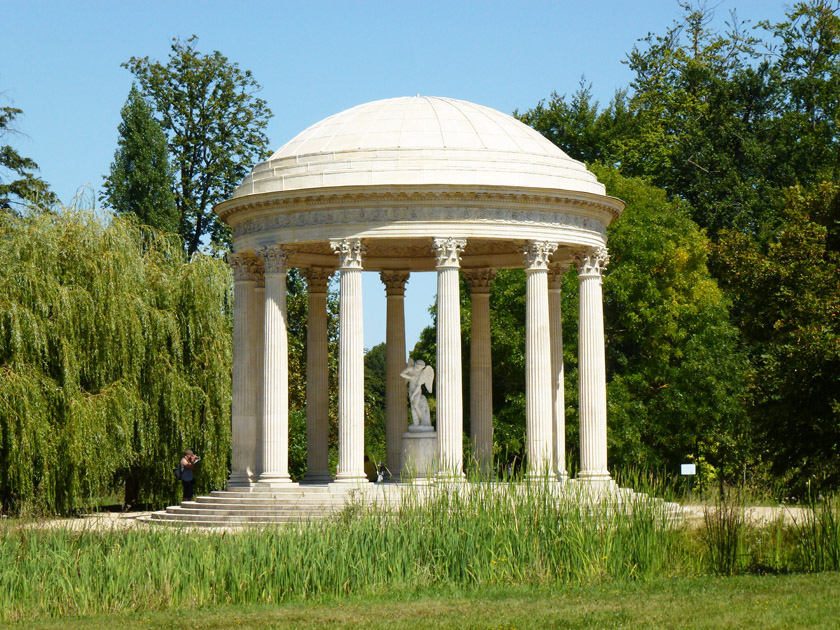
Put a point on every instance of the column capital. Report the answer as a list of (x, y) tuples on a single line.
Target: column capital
[(349, 251), (556, 271), (480, 279), (317, 279), (274, 258), (592, 262), (448, 252), (244, 267), (537, 254), (394, 281)]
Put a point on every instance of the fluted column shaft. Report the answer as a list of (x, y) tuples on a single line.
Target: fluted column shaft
[(481, 369), (275, 438), (538, 408), (450, 413), (396, 401), (555, 301), (317, 376), (593, 380), (259, 370), (351, 366), (243, 413)]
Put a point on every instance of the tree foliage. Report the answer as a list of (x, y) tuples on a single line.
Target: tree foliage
[(787, 305), (18, 183), (140, 180), (115, 355), (215, 126)]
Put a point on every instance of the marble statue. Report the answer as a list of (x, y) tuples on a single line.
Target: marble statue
[(418, 374)]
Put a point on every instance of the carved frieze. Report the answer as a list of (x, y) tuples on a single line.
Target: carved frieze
[(309, 217)]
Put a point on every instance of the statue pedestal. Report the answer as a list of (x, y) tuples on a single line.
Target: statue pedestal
[(418, 460)]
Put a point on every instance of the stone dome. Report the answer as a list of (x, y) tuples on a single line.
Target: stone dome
[(419, 141)]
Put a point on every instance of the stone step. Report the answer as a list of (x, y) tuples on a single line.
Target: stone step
[(232, 518), (270, 502), (313, 510)]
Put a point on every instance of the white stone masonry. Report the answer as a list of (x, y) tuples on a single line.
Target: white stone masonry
[(555, 300), (481, 369), (243, 416), (450, 414), (351, 363), (591, 356), (538, 407), (396, 404), (317, 376), (275, 435)]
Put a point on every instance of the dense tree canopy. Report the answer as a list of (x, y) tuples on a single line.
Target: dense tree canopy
[(140, 180), (215, 126), (787, 305), (115, 355)]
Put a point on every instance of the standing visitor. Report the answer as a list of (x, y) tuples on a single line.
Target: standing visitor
[(188, 463)]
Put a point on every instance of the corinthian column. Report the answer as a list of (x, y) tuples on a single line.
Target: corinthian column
[(555, 298), (275, 438), (396, 403), (450, 413), (243, 414), (351, 364), (317, 376), (481, 368), (538, 414), (257, 368), (593, 380)]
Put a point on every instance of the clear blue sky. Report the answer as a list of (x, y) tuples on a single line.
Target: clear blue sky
[(60, 63)]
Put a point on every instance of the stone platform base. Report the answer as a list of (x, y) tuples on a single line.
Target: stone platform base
[(418, 460)]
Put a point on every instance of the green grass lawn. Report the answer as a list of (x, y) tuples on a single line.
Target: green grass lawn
[(788, 601)]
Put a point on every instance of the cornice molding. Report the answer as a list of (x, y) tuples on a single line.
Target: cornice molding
[(324, 199)]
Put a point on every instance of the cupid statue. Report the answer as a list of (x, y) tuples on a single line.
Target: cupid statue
[(418, 374)]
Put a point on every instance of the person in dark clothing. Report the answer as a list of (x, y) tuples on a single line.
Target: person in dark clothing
[(188, 463)]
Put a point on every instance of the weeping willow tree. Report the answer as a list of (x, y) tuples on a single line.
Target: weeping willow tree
[(115, 355)]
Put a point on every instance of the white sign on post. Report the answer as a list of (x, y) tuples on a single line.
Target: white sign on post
[(688, 469)]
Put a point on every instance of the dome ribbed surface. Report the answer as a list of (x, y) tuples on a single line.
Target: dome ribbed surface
[(419, 141)]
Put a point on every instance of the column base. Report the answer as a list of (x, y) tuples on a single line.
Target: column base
[(594, 478), (240, 480), (563, 477), (352, 479), (317, 477), (546, 477), (274, 479)]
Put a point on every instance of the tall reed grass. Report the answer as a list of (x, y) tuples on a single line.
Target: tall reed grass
[(435, 539), (465, 535)]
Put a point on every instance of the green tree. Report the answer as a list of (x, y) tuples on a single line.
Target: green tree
[(215, 126), (787, 305), (375, 403), (115, 354), (807, 62), (140, 180), (18, 183)]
